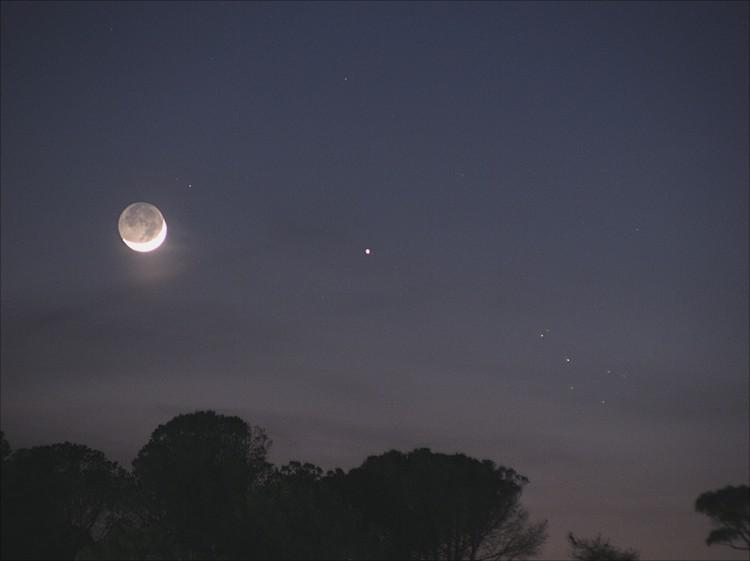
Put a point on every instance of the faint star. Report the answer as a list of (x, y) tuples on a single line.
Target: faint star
[(572, 388), (367, 251), (568, 359), (604, 401)]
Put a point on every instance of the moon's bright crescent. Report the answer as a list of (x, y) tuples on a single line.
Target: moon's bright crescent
[(149, 245)]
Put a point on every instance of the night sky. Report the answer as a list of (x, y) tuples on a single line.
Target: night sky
[(555, 196)]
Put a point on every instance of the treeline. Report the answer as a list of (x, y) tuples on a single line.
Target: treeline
[(202, 488)]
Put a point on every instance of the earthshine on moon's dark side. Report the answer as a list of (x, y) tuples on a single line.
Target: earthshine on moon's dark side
[(142, 227)]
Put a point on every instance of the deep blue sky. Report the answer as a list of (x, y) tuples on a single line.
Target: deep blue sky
[(578, 170)]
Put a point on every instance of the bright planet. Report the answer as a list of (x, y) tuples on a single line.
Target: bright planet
[(142, 227)]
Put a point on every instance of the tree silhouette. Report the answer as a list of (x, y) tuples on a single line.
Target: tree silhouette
[(729, 510), (133, 533), (195, 475), (56, 500), (302, 515), (513, 538), (425, 505), (598, 549), (4, 447), (201, 488)]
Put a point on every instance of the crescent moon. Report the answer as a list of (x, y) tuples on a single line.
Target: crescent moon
[(149, 245)]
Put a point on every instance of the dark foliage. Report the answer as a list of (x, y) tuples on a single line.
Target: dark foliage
[(4, 447), (729, 511), (195, 476), (424, 505), (201, 488), (56, 500), (302, 514), (598, 549)]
